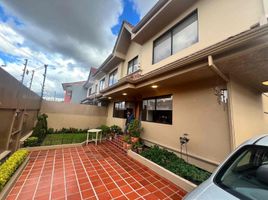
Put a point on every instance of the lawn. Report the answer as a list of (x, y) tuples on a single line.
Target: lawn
[(64, 138)]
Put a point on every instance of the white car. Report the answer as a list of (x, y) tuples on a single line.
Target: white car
[(243, 175)]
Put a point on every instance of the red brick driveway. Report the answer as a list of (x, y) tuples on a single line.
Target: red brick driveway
[(90, 172)]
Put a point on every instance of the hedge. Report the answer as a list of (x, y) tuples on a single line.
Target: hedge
[(173, 163), (31, 142), (9, 167)]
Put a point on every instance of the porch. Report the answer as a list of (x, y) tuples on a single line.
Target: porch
[(90, 172)]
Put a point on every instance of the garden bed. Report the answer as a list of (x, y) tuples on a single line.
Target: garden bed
[(173, 163), (10, 170)]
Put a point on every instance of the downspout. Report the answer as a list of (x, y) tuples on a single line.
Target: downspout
[(212, 65), (263, 19)]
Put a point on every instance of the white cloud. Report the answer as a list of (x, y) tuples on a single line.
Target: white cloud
[(69, 36), (143, 6)]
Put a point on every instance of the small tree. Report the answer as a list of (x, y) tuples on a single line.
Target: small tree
[(40, 130)]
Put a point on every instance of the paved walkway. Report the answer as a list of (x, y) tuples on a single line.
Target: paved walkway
[(101, 172)]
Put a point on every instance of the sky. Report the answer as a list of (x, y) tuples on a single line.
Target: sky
[(69, 36)]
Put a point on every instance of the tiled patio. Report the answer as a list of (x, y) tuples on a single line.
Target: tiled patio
[(90, 172)]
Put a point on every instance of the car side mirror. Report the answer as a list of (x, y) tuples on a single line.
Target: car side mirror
[(262, 174)]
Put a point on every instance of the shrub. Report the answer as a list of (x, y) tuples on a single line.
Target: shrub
[(50, 131), (105, 129), (127, 139), (31, 142), (9, 167), (40, 130), (173, 163), (115, 129), (70, 130), (134, 128)]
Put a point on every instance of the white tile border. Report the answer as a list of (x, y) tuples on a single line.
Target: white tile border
[(60, 146), (177, 180)]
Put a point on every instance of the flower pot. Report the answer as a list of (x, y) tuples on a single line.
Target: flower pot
[(134, 139), (124, 145), (129, 146), (139, 150)]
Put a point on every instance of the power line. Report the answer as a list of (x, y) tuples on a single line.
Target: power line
[(19, 49)]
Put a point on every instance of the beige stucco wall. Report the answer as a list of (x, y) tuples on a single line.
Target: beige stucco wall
[(218, 20), (197, 112), (133, 51), (247, 112), (66, 115)]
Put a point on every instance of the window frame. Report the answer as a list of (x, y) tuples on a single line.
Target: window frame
[(155, 106), (118, 109), (170, 31), (132, 60), (103, 85), (112, 74), (89, 91)]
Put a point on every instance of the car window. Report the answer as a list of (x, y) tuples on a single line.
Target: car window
[(245, 174)]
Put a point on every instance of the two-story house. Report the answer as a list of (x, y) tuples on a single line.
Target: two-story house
[(74, 92), (198, 67)]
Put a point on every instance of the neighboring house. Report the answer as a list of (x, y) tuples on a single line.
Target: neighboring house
[(89, 85), (196, 67), (74, 92)]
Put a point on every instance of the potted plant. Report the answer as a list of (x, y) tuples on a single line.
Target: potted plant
[(115, 130), (105, 130), (135, 130), (138, 147), (129, 144), (126, 140)]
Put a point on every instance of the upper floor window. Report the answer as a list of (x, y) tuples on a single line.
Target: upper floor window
[(102, 84), (158, 109), (69, 93), (89, 91), (96, 88), (132, 65), (113, 77), (177, 38)]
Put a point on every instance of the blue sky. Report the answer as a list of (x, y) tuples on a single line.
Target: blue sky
[(128, 14), (44, 33)]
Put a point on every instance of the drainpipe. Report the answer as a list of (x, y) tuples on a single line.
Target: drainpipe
[(263, 19), (216, 69), (229, 105)]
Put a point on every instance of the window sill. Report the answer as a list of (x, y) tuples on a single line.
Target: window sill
[(157, 122)]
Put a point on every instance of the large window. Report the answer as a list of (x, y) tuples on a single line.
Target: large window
[(132, 65), (177, 38), (113, 77), (157, 110), (102, 84), (121, 108)]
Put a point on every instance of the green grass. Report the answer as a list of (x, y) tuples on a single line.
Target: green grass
[(64, 138)]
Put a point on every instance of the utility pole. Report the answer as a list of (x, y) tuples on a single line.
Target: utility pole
[(31, 80), (43, 85), (24, 70)]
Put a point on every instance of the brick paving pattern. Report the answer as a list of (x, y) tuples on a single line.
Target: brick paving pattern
[(90, 172)]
